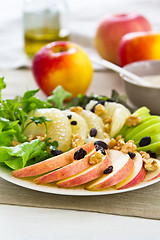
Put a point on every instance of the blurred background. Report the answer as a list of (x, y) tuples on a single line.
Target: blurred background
[(84, 17)]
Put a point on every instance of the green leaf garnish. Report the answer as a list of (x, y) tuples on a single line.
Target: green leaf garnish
[(58, 97), (17, 157), (2, 86)]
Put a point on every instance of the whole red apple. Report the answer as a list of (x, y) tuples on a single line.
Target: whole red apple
[(62, 63), (112, 28), (139, 46)]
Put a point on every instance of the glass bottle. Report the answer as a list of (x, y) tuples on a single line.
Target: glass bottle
[(45, 21)]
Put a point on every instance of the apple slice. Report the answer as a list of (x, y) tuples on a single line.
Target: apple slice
[(87, 175), (136, 176), (66, 171), (153, 175), (144, 126), (122, 167), (51, 163)]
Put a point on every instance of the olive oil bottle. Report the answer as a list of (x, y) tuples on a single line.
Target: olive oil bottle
[(45, 21)]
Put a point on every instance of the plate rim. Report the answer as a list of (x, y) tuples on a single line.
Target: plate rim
[(6, 175)]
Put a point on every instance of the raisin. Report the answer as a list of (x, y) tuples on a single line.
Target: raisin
[(81, 153), (132, 155), (102, 144), (145, 141), (98, 147), (102, 102), (69, 116), (73, 122), (93, 132), (56, 152), (110, 100), (152, 154), (108, 170)]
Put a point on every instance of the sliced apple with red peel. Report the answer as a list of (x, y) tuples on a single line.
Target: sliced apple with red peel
[(136, 176), (153, 175), (66, 171), (122, 167), (51, 163), (87, 175)]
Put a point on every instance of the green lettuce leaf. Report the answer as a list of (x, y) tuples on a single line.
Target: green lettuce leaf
[(58, 97), (17, 157)]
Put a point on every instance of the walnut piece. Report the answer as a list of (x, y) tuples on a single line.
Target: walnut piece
[(77, 109), (40, 137), (77, 140), (107, 120), (150, 165), (96, 158), (133, 120), (99, 109), (15, 143), (129, 147), (112, 143), (107, 127), (145, 156)]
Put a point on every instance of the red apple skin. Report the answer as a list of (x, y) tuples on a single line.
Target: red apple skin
[(139, 46), (62, 63), (92, 173), (139, 178), (51, 163), (119, 176), (111, 29), (66, 171)]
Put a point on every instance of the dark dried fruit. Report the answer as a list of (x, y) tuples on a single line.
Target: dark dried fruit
[(81, 153), (110, 100), (152, 154), (56, 152), (108, 170), (102, 144), (93, 132), (99, 102), (132, 155), (145, 141), (98, 147), (69, 116), (73, 122)]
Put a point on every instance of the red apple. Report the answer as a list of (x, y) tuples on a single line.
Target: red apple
[(111, 29), (139, 46), (51, 163), (153, 175), (122, 168), (136, 176), (62, 63), (66, 171), (87, 175)]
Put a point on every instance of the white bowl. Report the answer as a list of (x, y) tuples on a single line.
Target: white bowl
[(143, 95)]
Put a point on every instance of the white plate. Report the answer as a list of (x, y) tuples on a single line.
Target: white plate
[(76, 191)]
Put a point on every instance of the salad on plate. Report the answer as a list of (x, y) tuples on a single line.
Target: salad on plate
[(95, 142)]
